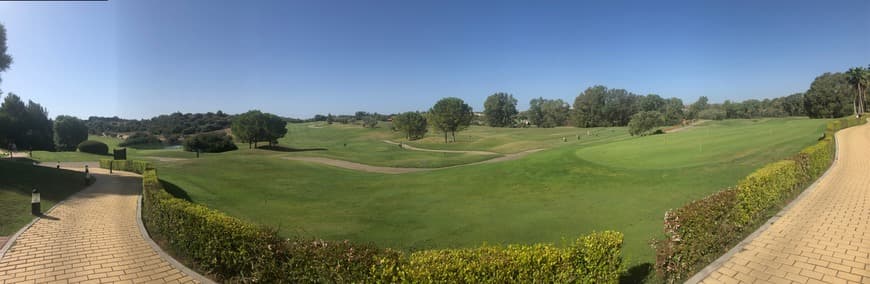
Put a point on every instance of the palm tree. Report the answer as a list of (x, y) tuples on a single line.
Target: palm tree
[(858, 77)]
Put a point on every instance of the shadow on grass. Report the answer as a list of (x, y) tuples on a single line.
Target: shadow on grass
[(637, 274), (288, 149), (175, 191)]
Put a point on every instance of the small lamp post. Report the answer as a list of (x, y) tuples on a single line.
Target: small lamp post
[(58, 164), (87, 175), (34, 203), (110, 166)]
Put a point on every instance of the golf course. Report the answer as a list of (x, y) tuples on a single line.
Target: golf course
[(596, 179)]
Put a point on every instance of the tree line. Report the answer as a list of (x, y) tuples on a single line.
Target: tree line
[(172, 124)]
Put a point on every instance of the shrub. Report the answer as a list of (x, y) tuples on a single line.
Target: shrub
[(594, 258), (210, 143), (765, 188), (139, 138), (696, 234), (138, 167), (94, 147)]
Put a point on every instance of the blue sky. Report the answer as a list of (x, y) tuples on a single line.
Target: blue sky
[(299, 58)]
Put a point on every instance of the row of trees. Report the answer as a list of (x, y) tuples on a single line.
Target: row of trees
[(172, 124)]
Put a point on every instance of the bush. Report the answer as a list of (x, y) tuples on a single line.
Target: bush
[(138, 167), (595, 258), (94, 147), (766, 188), (696, 234), (139, 138), (210, 143)]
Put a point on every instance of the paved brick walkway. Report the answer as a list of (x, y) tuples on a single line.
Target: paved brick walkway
[(824, 237), (92, 237)]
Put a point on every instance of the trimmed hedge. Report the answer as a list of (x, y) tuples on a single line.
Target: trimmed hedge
[(233, 250), (697, 233), (93, 147), (766, 188), (595, 258), (701, 231), (138, 167)]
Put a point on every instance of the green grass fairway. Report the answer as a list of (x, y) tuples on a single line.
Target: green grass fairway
[(365, 145), (17, 179), (608, 181)]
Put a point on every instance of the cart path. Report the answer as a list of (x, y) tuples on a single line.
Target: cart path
[(396, 170), (824, 237), (409, 147), (92, 236)]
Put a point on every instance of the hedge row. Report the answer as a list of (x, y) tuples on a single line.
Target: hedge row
[(236, 251), (138, 167), (595, 258), (701, 231)]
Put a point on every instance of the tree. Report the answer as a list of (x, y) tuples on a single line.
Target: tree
[(450, 115), (697, 107), (29, 125), (642, 122), (793, 105), (830, 96), (413, 124), (673, 111), (370, 121), (589, 107), (209, 143), (499, 109), (857, 77), (69, 131), (5, 59), (255, 126), (555, 113), (275, 128), (651, 102)]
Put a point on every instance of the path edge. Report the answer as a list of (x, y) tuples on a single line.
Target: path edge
[(719, 262), (14, 237), (165, 256)]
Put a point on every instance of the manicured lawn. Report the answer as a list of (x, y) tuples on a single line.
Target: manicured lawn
[(365, 145), (609, 181), (17, 180)]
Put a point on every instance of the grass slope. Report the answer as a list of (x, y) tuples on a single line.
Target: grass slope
[(18, 178), (610, 182)]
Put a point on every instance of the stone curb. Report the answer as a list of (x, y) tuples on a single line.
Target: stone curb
[(715, 265)]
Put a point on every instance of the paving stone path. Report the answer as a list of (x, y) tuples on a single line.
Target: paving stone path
[(824, 237), (92, 237)]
